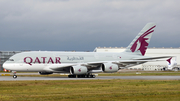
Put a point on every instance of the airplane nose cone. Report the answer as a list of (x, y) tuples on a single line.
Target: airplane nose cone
[(6, 66)]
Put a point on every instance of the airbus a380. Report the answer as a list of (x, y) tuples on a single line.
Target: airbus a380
[(83, 64)]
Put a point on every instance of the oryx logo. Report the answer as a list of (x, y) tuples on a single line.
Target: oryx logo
[(141, 44), (79, 70), (110, 68), (169, 60)]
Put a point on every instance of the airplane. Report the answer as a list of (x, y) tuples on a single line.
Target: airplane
[(84, 64), (171, 65)]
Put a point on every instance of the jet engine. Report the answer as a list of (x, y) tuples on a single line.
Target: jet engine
[(78, 70), (45, 73), (109, 67)]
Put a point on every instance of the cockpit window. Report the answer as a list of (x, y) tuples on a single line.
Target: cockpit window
[(10, 59)]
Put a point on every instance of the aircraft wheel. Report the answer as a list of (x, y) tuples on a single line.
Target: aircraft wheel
[(14, 76), (72, 76), (80, 76), (86, 76), (93, 76)]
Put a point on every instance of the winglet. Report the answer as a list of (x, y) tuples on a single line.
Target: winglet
[(169, 60)]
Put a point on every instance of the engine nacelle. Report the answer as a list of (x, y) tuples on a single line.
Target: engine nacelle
[(45, 73), (78, 70), (109, 67)]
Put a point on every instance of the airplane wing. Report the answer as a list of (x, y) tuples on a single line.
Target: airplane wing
[(129, 63), (136, 61), (152, 58), (93, 65)]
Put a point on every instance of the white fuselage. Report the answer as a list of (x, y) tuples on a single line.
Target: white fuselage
[(42, 60)]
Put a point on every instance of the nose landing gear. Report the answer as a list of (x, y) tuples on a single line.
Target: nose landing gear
[(14, 74)]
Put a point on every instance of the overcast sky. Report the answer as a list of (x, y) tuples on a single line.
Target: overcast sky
[(82, 25)]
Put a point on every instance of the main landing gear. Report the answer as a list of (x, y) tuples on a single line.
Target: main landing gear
[(82, 76), (14, 74)]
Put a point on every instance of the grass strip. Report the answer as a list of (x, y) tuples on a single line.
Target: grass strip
[(98, 90)]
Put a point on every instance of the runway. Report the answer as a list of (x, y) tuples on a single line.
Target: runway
[(10, 78)]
